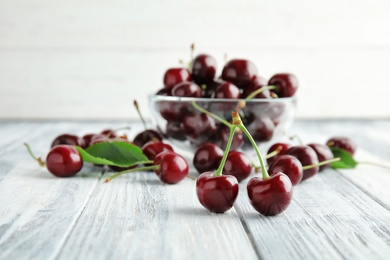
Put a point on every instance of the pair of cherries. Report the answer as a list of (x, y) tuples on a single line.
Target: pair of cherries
[(217, 192)]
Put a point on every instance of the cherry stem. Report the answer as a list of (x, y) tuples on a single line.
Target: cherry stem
[(272, 154), (218, 172), (257, 91), (145, 168), (321, 163), (220, 119), (237, 121), (139, 113), (298, 138), (375, 164), (38, 159)]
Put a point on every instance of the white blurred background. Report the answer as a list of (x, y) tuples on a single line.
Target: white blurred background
[(89, 59)]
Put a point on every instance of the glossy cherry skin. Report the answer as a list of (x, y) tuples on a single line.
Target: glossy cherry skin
[(222, 137), (173, 76), (280, 147), (204, 68), (237, 164), (207, 157), (256, 84), (307, 156), (343, 142), (240, 72), (152, 148), (199, 127), (64, 161), (186, 89), (227, 90), (271, 196), (261, 128), (68, 139), (286, 84), (87, 140), (323, 153), (289, 165), (147, 135), (216, 193), (172, 167)]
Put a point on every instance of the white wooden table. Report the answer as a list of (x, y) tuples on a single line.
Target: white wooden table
[(341, 214)]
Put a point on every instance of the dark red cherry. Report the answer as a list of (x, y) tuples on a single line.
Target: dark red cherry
[(175, 130), (280, 148), (289, 165), (110, 133), (199, 127), (343, 142), (216, 193), (270, 196), (256, 84), (147, 135), (261, 128), (240, 72), (186, 89), (172, 167), (222, 137), (227, 90), (64, 161), (307, 156), (173, 76), (323, 153), (87, 140), (68, 139), (204, 68), (209, 88), (152, 148), (286, 84), (237, 164), (207, 157)]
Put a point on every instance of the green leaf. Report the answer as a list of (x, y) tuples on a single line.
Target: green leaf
[(346, 159), (119, 153)]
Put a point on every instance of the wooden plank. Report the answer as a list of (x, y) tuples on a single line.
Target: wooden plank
[(137, 217), (329, 218)]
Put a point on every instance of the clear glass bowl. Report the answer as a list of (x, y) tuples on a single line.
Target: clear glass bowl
[(185, 127)]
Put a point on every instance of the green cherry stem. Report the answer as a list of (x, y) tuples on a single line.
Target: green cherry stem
[(218, 172), (220, 119), (257, 91), (145, 168), (38, 159), (321, 163), (237, 121)]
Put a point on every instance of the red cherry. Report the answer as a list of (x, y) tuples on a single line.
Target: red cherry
[(199, 127), (186, 89), (270, 196), (173, 76), (207, 157), (204, 68), (172, 167), (216, 193), (286, 84), (147, 135), (240, 72), (87, 140), (261, 128), (289, 165), (226, 90), (256, 84), (64, 161), (237, 164), (307, 156), (222, 137), (343, 142), (68, 139), (323, 153), (280, 148), (152, 148)]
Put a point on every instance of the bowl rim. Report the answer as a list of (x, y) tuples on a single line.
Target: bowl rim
[(154, 97)]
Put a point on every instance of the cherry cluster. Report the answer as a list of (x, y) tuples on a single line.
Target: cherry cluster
[(239, 80), (64, 160)]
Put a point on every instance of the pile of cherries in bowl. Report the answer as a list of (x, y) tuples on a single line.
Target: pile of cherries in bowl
[(267, 108)]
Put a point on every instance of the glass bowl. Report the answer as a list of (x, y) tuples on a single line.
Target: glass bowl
[(185, 127)]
